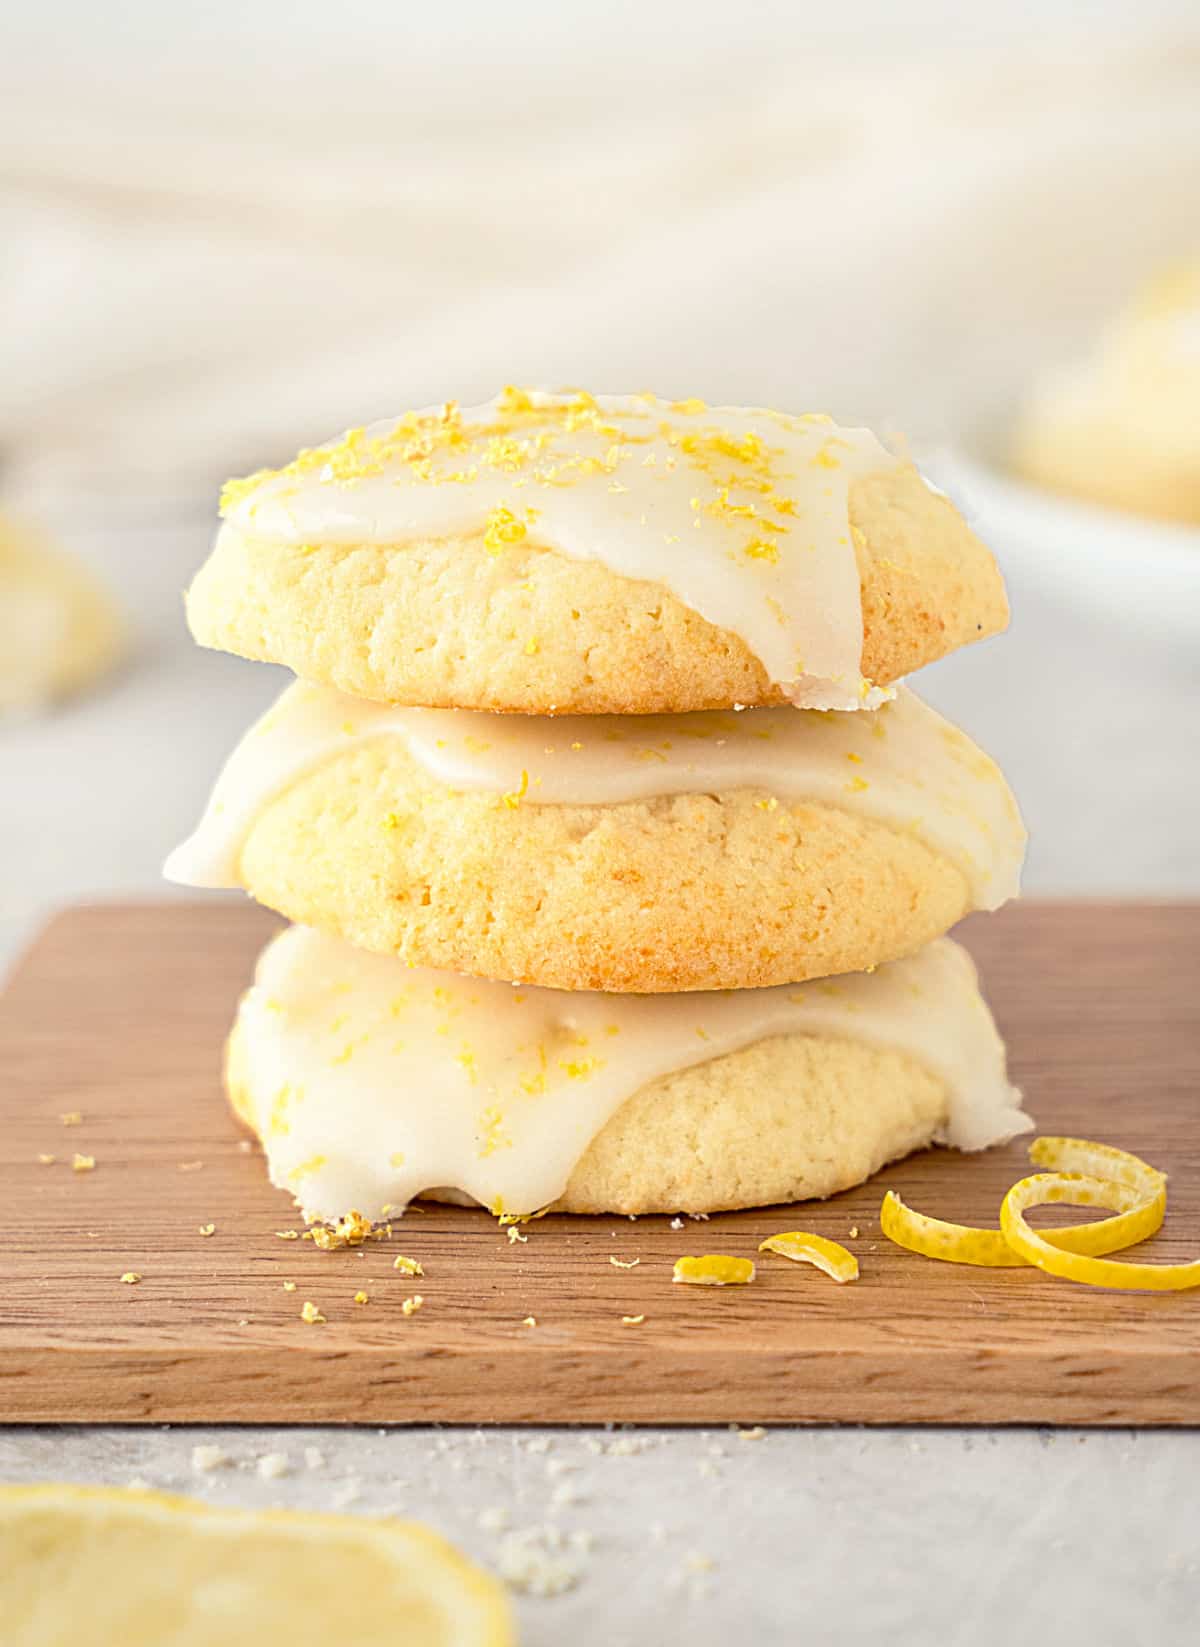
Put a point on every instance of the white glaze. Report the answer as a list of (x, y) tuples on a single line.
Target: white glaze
[(372, 1081), (902, 765), (742, 513)]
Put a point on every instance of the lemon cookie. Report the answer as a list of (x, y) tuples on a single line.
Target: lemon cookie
[(58, 630), (621, 555), (370, 1083), (1123, 428), (708, 851)]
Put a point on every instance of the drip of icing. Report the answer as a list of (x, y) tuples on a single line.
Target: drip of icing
[(370, 1081), (902, 765), (743, 514)]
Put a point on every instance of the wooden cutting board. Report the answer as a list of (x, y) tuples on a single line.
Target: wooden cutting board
[(119, 1012)]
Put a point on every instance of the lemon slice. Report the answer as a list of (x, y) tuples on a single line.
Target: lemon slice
[(134, 1569), (803, 1248), (1144, 1217), (967, 1244), (715, 1269)]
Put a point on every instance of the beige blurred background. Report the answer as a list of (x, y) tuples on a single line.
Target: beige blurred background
[(229, 230)]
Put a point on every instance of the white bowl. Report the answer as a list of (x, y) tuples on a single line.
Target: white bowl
[(1133, 571)]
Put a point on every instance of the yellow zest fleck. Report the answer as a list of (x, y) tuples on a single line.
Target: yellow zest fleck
[(856, 785), (408, 1266), (277, 1122), (306, 1168), (803, 1248), (47, 1160), (531, 648), (310, 1313), (83, 1163), (410, 1306), (581, 1069), (72, 1118), (689, 408), (514, 798), (762, 549), (351, 1230), (502, 528), (768, 804), (289, 1286), (514, 1235), (208, 1229), (491, 1123), (632, 1320), (287, 1235), (851, 756), (623, 1263), (131, 1278), (361, 1298), (390, 821), (529, 1321), (513, 399), (714, 1270)]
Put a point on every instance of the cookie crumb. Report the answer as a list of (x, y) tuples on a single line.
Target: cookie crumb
[(351, 1230), (208, 1458)]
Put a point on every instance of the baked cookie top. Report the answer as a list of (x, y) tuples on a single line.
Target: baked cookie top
[(548, 553)]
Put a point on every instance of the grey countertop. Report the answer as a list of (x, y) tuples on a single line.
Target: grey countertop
[(836, 1535)]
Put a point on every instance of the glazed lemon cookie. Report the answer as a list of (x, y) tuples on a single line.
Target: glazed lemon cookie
[(1123, 428), (58, 630), (552, 553), (707, 851), (371, 1083)]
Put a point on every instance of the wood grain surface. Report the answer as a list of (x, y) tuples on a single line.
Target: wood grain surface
[(118, 1012)]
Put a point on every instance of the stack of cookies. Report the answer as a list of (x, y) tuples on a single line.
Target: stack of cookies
[(620, 863)]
